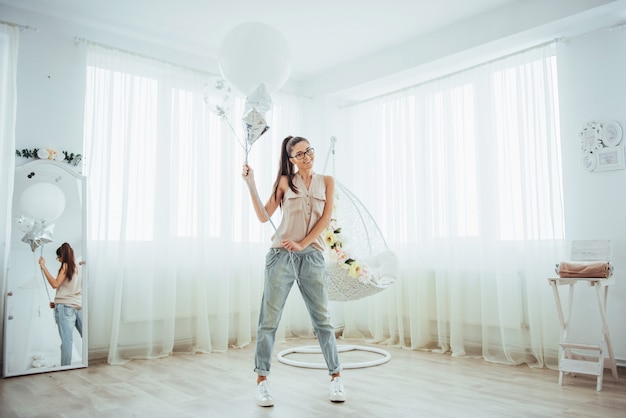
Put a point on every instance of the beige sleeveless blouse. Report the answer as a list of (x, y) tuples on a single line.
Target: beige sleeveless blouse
[(69, 293), (302, 211)]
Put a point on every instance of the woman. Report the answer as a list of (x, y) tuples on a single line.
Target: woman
[(296, 254), (68, 302)]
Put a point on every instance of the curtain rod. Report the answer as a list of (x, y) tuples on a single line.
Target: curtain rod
[(431, 80), (22, 28), (80, 40), (618, 26)]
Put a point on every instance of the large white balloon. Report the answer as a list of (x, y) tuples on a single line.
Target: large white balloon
[(45, 202), (253, 53)]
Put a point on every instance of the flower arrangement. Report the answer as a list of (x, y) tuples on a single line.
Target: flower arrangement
[(339, 255), (49, 153)]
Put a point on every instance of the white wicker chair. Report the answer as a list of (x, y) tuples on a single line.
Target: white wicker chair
[(364, 243)]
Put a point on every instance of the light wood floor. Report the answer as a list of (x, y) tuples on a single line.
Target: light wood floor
[(412, 384)]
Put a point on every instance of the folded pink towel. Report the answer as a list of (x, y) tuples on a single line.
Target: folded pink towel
[(596, 269)]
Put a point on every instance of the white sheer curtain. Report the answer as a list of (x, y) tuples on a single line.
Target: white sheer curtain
[(177, 253), (9, 41), (463, 176)]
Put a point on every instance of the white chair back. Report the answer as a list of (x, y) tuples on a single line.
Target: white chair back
[(591, 250)]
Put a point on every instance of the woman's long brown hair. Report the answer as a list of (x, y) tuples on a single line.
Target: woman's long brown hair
[(285, 167), (66, 253)]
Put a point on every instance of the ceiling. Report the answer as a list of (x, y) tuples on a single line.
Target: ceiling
[(327, 39), (321, 34)]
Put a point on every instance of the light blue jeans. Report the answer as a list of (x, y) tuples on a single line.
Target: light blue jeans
[(67, 318), (312, 280)]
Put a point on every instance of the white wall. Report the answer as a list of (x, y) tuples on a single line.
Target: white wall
[(592, 88), (50, 112), (50, 82), (51, 71)]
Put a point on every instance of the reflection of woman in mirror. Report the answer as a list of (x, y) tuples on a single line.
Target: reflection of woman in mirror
[(68, 301)]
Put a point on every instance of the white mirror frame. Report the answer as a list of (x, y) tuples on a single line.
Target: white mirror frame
[(31, 337)]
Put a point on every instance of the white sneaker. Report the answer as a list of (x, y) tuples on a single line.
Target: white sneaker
[(337, 392), (263, 395)]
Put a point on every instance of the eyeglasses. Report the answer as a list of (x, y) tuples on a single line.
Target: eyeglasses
[(300, 155)]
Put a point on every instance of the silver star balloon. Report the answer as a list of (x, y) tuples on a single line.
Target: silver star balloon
[(254, 125), (260, 100), (39, 235)]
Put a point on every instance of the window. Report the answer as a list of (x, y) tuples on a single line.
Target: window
[(160, 165), (476, 154)]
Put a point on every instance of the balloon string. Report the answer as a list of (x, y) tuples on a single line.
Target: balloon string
[(43, 276), (246, 148), (258, 198), (237, 136)]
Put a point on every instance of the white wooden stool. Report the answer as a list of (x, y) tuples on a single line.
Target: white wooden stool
[(569, 360)]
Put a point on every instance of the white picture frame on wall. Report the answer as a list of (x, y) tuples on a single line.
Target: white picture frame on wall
[(589, 161), (591, 137), (611, 134), (610, 159)]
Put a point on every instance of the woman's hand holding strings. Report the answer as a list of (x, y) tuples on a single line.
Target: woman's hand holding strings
[(291, 245), (247, 172)]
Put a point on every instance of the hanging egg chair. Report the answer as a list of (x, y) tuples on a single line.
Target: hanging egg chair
[(358, 262)]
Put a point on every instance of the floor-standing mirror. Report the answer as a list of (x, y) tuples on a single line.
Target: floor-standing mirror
[(48, 210)]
